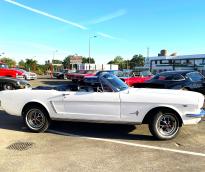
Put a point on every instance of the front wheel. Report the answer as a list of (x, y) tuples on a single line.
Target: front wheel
[(36, 119), (8, 86), (164, 125)]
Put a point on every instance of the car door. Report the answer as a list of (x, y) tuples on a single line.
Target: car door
[(90, 105)]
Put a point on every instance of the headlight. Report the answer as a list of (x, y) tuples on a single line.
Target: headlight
[(18, 83)]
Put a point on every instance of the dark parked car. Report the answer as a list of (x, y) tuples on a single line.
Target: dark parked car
[(113, 72), (7, 83), (85, 85), (62, 75), (185, 80)]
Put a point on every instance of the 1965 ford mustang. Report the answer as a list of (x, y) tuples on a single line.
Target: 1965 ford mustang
[(105, 98)]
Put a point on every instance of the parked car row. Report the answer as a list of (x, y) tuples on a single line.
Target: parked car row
[(27, 75), (7, 72), (17, 73), (8, 83), (184, 79), (129, 78), (179, 80)]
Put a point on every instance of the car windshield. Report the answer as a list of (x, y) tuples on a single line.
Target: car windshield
[(195, 76), (3, 66), (115, 82), (22, 70)]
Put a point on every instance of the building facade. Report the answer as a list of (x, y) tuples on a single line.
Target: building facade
[(87, 66), (168, 63)]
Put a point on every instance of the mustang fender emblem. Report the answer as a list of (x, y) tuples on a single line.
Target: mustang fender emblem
[(136, 113)]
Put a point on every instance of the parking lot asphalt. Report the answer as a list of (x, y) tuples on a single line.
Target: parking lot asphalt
[(68, 146)]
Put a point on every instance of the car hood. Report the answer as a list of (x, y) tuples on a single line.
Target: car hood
[(168, 96)]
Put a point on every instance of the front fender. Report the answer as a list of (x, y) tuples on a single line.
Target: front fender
[(45, 105)]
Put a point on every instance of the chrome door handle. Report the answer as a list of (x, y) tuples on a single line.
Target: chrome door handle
[(66, 94)]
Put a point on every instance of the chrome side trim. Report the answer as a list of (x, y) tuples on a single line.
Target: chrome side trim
[(200, 115), (97, 121), (53, 107)]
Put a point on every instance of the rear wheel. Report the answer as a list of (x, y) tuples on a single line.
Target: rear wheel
[(8, 86), (165, 125), (36, 118)]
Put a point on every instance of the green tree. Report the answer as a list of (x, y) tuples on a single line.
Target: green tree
[(87, 59), (41, 69), (10, 62), (118, 60), (21, 64), (57, 62), (31, 64), (66, 62), (137, 60)]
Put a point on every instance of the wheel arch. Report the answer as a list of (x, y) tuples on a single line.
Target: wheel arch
[(154, 110), (34, 103)]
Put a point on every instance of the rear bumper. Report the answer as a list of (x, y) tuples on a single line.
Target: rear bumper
[(200, 115)]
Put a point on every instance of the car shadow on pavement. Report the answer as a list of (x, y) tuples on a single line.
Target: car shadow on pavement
[(105, 131), (11, 122), (109, 131)]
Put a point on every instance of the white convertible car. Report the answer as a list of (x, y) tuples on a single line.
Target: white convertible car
[(107, 99)]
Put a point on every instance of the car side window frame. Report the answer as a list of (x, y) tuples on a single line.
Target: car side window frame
[(107, 84), (183, 78)]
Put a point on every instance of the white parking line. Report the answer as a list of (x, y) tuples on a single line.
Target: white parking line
[(131, 144)]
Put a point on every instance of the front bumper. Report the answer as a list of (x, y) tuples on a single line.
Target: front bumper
[(200, 115), (19, 77), (31, 77)]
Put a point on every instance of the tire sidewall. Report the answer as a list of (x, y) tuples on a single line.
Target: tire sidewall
[(154, 126), (46, 121), (7, 84)]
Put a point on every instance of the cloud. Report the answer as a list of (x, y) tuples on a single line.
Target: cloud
[(106, 35), (46, 14), (108, 17)]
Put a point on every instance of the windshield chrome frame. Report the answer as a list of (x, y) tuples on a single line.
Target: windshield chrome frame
[(101, 78)]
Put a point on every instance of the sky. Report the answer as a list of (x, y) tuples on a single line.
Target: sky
[(45, 29)]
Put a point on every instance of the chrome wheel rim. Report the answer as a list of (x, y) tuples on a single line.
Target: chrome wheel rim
[(167, 125), (35, 119), (8, 87)]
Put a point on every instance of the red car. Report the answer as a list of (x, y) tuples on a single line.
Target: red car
[(5, 71), (133, 77), (79, 75)]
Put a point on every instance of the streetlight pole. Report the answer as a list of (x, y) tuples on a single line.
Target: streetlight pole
[(51, 64), (148, 52), (90, 37), (54, 53)]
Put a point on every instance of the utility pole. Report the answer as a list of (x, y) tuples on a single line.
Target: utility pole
[(147, 52), (90, 37)]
